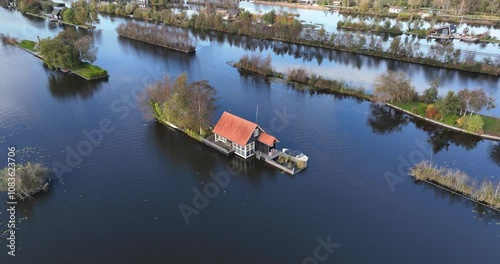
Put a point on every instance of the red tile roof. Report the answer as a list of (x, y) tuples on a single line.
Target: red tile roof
[(235, 128), (267, 139)]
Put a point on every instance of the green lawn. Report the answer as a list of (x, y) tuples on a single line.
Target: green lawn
[(491, 125), (89, 71), (27, 44)]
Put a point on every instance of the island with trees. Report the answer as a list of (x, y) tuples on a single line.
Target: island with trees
[(171, 38), (483, 12), (458, 111), (70, 52), (185, 106)]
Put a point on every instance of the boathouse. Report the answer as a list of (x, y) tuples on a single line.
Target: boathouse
[(242, 136)]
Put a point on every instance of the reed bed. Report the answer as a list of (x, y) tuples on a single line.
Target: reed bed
[(457, 181)]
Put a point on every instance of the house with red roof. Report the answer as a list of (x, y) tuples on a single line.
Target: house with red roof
[(243, 136)]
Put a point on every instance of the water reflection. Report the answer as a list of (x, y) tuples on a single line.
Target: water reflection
[(481, 213), (494, 152), (385, 120), (441, 138), (66, 86), (170, 141)]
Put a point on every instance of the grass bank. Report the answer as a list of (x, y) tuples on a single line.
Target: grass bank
[(456, 181), (27, 44), (491, 124), (89, 71)]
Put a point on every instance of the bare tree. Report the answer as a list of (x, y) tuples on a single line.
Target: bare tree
[(394, 87)]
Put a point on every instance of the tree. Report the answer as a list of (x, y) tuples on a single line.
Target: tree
[(68, 49), (474, 101), (474, 123), (203, 104), (269, 17), (394, 87), (86, 49), (430, 94), (448, 105)]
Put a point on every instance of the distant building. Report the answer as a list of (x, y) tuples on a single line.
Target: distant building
[(231, 14), (56, 14), (243, 136), (337, 3), (395, 9), (142, 3)]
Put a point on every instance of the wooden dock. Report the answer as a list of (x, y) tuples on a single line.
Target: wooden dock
[(270, 159)]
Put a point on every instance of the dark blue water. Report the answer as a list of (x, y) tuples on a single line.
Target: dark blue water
[(120, 203)]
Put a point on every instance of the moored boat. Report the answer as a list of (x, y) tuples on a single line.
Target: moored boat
[(469, 39), (295, 154)]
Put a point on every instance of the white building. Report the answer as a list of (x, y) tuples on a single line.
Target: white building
[(395, 9)]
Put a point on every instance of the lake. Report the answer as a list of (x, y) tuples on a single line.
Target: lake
[(120, 203)]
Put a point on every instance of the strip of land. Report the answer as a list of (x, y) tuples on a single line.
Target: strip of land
[(85, 70)]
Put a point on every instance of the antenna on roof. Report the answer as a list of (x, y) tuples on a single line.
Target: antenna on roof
[(257, 114)]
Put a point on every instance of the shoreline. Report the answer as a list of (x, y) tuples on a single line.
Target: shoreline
[(384, 55), (72, 72), (60, 21), (366, 97), (485, 136), (159, 45)]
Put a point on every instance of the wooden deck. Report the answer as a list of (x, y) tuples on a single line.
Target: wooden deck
[(224, 148)]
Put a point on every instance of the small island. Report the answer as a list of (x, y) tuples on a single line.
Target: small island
[(29, 179), (70, 52), (170, 38), (456, 181), (189, 107)]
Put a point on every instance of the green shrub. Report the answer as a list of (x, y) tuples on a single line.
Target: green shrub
[(474, 124), (450, 120)]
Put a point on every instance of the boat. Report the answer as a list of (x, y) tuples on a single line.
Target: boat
[(469, 39), (295, 154)]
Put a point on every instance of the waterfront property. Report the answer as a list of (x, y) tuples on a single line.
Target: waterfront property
[(243, 136)]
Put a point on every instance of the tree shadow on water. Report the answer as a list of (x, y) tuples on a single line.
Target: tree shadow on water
[(385, 120), (64, 86)]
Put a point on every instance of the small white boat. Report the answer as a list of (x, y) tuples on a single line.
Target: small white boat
[(469, 39), (295, 154)]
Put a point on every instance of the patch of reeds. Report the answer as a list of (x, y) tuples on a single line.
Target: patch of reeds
[(323, 84), (8, 39), (457, 181), (30, 178), (163, 36)]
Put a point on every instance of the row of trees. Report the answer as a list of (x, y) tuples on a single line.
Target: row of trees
[(81, 13), (285, 27), (457, 7), (68, 49), (396, 87), (163, 36), (256, 63), (190, 106)]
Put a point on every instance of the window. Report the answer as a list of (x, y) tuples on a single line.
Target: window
[(256, 132)]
